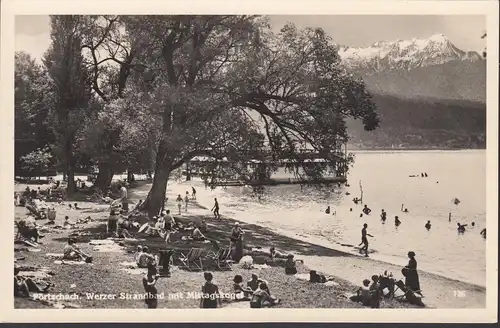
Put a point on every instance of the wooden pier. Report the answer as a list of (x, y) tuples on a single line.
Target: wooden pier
[(280, 181)]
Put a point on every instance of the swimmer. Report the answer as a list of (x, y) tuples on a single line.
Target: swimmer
[(406, 210), (361, 215), (366, 210), (425, 174), (350, 210), (356, 200), (449, 217), (473, 224), (456, 201), (483, 233), (347, 193), (383, 216), (327, 211), (428, 225), (396, 221), (461, 227)]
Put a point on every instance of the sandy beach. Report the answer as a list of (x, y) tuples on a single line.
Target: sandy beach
[(439, 292)]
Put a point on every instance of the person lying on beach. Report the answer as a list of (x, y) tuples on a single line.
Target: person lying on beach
[(366, 210), (277, 254), (261, 298), (362, 294), (240, 291), (145, 259), (24, 286), (428, 225), (319, 278)]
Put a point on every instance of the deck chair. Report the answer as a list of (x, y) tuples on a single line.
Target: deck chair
[(222, 259), (193, 260), (408, 294)]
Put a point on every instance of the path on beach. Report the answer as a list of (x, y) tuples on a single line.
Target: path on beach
[(439, 291)]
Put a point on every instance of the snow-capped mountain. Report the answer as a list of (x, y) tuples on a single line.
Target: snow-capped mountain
[(404, 54)]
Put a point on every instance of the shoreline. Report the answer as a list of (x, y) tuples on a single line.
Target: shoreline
[(444, 289)]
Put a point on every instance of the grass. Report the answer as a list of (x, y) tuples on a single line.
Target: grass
[(105, 276)]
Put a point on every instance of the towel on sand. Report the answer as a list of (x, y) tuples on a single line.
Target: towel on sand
[(101, 242), (306, 277), (70, 262), (55, 255), (137, 271)]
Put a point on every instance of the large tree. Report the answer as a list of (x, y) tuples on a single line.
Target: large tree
[(32, 102), (70, 86), (211, 81)]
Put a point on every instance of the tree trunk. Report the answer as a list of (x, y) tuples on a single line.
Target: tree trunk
[(104, 177), (156, 196), (130, 176), (188, 172)]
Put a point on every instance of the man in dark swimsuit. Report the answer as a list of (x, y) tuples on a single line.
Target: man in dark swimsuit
[(215, 209), (364, 240)]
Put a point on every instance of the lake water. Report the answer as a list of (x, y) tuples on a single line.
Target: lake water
[(386, 185)]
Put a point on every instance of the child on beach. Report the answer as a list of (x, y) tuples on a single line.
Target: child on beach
[(290, 265), (362, 294), (210, 293), (262, 298)]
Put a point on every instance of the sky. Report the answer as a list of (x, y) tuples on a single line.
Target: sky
[(32, 33)]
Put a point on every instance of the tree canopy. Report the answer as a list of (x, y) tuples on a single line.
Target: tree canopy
[(156, 91)]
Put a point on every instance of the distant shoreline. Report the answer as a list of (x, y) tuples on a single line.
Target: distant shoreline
[(411, 149)]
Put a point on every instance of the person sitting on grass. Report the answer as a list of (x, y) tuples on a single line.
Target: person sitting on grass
[(290, 265), (261, 297), (72, 252), (240, 291), (375, 294), (211, 296), (203, 226), (145, 259), (24, 286), (254, 282), (362, 294), (197, 235)]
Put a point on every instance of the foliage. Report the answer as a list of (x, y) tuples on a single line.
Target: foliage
[(37, 161)]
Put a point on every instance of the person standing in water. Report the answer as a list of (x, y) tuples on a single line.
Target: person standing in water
[(327, 211), (383, 216), (396, 221), (428, 225), (193, 193), (366, 210), (461, 227), (215, 209), (483, 233), (449, 217), (364, 239)]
